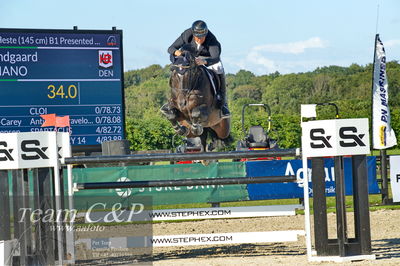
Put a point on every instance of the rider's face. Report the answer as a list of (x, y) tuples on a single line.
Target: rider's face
[(199, 40)]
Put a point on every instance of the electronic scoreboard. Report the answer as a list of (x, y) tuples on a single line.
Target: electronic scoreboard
[(78, 73)]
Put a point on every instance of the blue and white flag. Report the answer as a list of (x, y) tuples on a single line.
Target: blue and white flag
[(383, 136)]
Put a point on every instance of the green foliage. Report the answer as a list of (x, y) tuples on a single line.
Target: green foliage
[(287, 130), (135, 77), (147, 89), (247, 91), (154, 133)]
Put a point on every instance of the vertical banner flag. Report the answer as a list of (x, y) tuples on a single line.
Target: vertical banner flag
[(382, 133)]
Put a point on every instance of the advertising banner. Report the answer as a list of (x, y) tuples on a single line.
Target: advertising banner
[(383, 136), (295, 190), (213, 193)]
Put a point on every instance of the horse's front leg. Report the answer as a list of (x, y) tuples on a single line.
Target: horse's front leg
[(199, 116), (174, 116)]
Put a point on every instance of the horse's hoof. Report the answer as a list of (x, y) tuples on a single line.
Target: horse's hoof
[(197, 130), (196, 113), (182, 130), (205, 162), (170, 114)]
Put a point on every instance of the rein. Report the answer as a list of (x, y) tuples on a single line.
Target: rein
[(180, 66)]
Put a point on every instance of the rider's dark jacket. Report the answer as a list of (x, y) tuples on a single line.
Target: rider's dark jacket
[(211, 48)]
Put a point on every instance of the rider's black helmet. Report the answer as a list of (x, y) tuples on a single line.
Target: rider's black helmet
[(199, 28)]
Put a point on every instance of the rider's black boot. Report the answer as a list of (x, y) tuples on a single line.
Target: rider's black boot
[(222, 97)]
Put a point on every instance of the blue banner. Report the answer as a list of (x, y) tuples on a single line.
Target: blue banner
[(294, 167)]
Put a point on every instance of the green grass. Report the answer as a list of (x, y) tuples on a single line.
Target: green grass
[(388, 152)]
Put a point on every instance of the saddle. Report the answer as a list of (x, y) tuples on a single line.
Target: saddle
[(214, 80)]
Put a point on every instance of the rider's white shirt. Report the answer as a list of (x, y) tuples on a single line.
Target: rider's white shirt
[(217, 68)]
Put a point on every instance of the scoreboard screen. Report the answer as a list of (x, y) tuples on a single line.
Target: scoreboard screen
[(75, 73)]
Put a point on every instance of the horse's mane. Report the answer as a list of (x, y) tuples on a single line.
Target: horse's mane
[(186, 66)]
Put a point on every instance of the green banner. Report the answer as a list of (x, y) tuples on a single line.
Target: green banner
[(166, 195)]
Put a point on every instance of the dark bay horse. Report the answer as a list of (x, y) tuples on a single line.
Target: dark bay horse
[(193, 109)]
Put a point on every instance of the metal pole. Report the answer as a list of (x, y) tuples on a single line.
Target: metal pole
[(187, 182), (362, 226), (307, 216), (319, 206), (46, 204), (182, 156), (58, 207), (385, 186), (5, 231), (340, 206)]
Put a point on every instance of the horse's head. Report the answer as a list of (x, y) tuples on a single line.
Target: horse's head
[(186, 81)]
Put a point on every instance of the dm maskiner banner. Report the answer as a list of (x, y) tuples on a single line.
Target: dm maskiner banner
[(382, 133)]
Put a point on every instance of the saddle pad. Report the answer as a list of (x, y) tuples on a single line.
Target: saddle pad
[(213, 79)]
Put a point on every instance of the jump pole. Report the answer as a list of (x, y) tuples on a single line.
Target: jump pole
[(160, 157), (185, 182)]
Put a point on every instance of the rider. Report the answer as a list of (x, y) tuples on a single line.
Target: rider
[(208, 50)]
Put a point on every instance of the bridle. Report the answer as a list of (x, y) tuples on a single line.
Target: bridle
[(192, 67)]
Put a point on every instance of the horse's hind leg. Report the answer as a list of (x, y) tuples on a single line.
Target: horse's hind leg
[(222, 129), (221, 135), (203, 138)]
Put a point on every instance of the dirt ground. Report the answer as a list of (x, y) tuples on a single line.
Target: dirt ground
[(385, 235)]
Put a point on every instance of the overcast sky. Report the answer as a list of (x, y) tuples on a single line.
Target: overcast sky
[(261, 36)]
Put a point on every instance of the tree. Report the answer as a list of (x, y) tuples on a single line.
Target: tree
[(349, 87), (247, 91)]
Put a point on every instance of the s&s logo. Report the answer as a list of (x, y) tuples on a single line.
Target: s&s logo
[(105, 58), (319, 140), (33, 150), (350, 138), (5, 154)]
